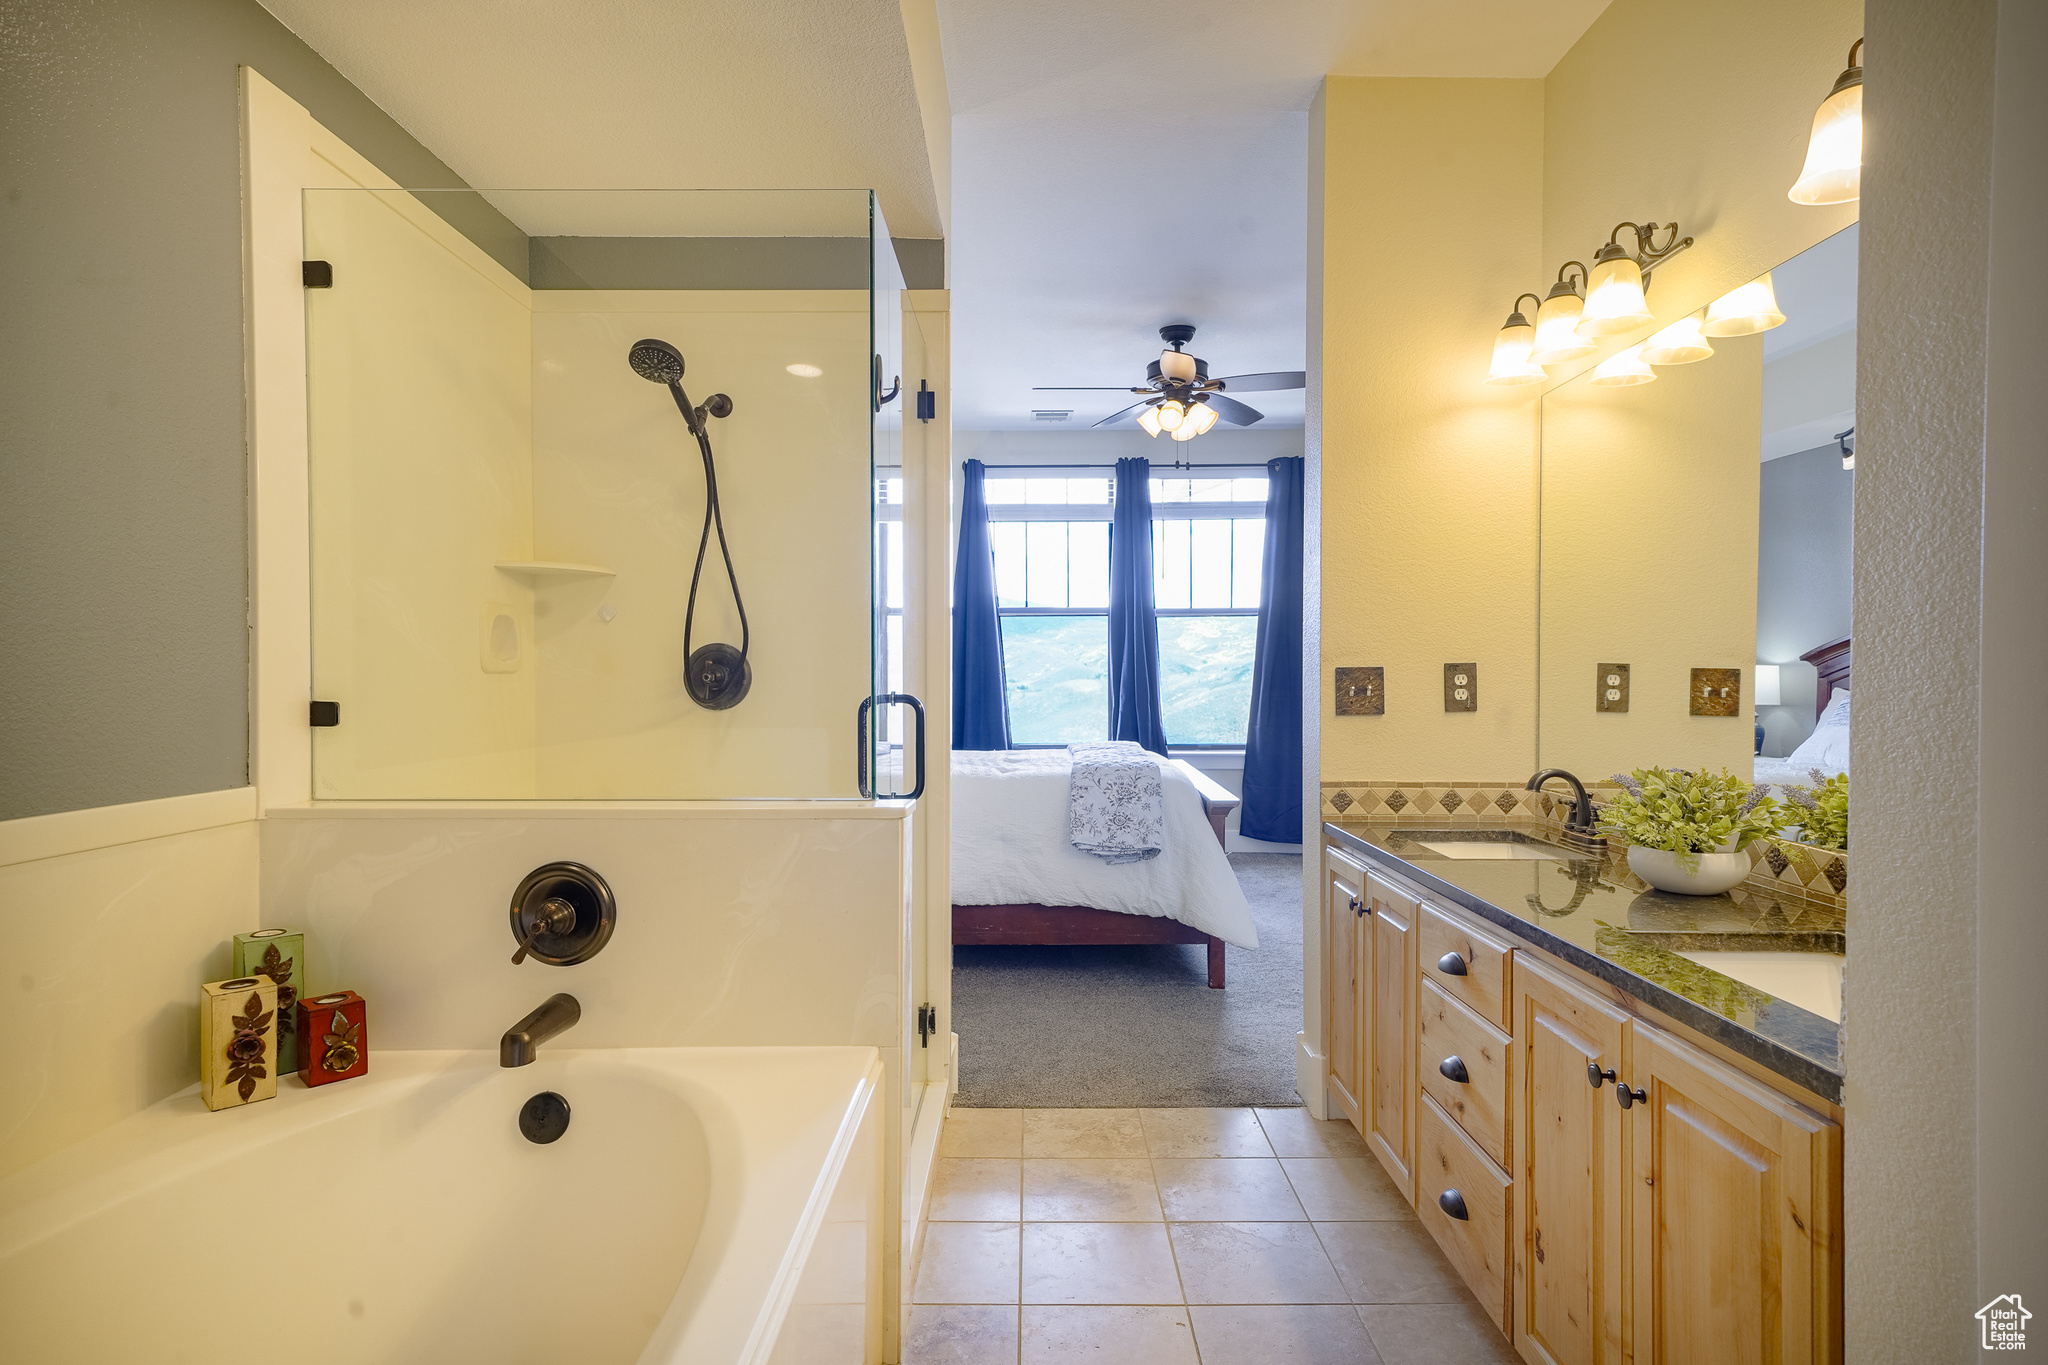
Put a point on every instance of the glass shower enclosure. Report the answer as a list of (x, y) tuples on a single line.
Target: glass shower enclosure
[(514, 525)]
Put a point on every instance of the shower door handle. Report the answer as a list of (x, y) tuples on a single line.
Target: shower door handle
[(861, 740)]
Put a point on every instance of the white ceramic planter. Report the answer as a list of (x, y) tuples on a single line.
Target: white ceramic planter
[(1718, 872)]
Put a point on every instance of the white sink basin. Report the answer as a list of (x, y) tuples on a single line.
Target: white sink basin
[(1458, 848)]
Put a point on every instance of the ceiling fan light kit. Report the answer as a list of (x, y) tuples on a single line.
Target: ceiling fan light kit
[(1180, 398)]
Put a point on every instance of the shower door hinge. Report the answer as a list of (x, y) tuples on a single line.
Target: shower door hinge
[(927, 401), (324, 713), (927, 1024), (316, 274)]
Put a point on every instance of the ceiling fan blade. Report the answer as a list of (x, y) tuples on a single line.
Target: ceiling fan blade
[(1133, 408), (1230, 410), (1086, 388), (1257, 383)]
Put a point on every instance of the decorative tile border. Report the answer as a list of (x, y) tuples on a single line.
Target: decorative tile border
[(1814, 874)]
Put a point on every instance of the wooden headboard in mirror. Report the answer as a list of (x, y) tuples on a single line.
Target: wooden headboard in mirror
[(1831, 669)]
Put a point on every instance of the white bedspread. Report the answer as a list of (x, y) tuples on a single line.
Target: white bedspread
[(1010, 848)]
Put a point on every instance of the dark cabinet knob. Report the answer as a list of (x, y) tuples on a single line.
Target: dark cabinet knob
[(1453, 1203), (1453, 1069), (1628, 1098), (1450, 964), (1356, 908), (1595, 1073)]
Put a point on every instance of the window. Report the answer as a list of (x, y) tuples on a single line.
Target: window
[(1051, 538)]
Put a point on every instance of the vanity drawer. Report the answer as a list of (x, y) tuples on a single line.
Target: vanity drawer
[(1479, 977), (1453, 1037), (1451, 1177)]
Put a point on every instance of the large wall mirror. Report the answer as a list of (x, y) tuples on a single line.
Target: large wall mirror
[(1696, 543)]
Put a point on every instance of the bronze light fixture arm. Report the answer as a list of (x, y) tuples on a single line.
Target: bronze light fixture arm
[(1648, 255)]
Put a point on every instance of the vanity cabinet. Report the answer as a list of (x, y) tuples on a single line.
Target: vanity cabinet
[(1391, 931), (1701, 1221), (1571, 1172), (1344, 993), (1735, 1217)]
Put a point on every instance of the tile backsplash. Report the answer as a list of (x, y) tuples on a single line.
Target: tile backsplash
[(1780, 865)]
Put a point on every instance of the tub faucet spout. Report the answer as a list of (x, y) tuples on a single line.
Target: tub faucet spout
[(521, 1043)]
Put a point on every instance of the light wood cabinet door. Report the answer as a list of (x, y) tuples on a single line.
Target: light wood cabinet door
[(1735, 1250), (1571, 1172), (1391, 982), (1344, 984)]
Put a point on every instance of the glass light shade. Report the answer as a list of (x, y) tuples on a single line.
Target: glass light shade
[(1170, 415), (1679, 344), (1767, 685), (1186, 431), (1833, 173), (1622, 369), (1614, 299), (1511, 347), (1752, 307), (1200, 418), (1149, 419), (1177, 365), (1557, 339)]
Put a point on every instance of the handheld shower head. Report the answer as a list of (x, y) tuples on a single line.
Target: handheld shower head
[(656, 360)]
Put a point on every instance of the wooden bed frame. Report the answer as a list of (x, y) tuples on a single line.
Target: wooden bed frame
[(1831, 669), (1074, 924)]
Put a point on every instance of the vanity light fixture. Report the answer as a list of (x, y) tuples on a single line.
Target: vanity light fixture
[(1846, 440), (1747, 308), (1622, 369), (1557, 339), (1614, 293), (1833, 172), (1512, 346), (1679, 344)]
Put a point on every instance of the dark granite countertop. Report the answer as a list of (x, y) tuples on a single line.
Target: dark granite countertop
[(1591, 912)]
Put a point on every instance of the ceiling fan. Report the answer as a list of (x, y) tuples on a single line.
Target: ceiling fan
[(1180, 397)]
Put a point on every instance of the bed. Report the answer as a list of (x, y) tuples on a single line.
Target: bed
[(1017, 881), (1827, 748)]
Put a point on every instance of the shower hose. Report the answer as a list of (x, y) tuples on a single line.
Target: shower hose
[(712, 517)]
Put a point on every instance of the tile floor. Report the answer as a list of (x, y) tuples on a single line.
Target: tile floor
[(1179, 1237)]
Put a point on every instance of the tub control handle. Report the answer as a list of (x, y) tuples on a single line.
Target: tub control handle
[(554, 916)]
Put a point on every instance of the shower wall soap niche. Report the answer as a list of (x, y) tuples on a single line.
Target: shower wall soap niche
[(336, 1030), (279, 957), (237, 1042)]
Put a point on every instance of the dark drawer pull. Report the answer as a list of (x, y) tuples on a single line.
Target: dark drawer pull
[(1627, 1098), (1453, 1069), (1595, 1073), (1450, 964), (1453, 1203)]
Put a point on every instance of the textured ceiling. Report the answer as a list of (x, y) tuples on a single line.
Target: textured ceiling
[(1118, 165), (615, 94)]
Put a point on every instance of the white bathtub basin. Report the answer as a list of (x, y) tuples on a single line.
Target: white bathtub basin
[(401, 1217)]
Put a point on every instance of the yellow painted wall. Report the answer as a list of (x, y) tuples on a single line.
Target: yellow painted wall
[(618, 481), (1430, 192), (1650, 559), (420, 408)]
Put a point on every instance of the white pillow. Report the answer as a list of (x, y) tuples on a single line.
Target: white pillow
[(1828, 745)]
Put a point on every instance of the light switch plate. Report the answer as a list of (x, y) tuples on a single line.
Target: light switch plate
[(1461, 687), (1361, 691), (1610, 687), (1717, 692)]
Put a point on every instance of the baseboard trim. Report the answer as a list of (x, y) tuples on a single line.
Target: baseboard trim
[(1309, 1070), (920, 1160), (36, 837)]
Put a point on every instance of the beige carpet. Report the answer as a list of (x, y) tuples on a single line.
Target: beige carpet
[(1138, 1027)]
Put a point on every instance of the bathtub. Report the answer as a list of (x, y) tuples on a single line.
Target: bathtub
[(705, 1205)]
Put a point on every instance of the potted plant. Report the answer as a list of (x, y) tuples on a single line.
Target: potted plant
[(1822, 811), (1686, 831)]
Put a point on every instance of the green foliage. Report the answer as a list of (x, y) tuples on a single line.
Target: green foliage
[(1690, 813), (1821, 811)]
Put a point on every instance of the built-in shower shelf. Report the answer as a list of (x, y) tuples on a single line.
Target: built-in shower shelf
[(545, 569)]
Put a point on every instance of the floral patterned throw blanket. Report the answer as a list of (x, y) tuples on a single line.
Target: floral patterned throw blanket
[(1116, 809)]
